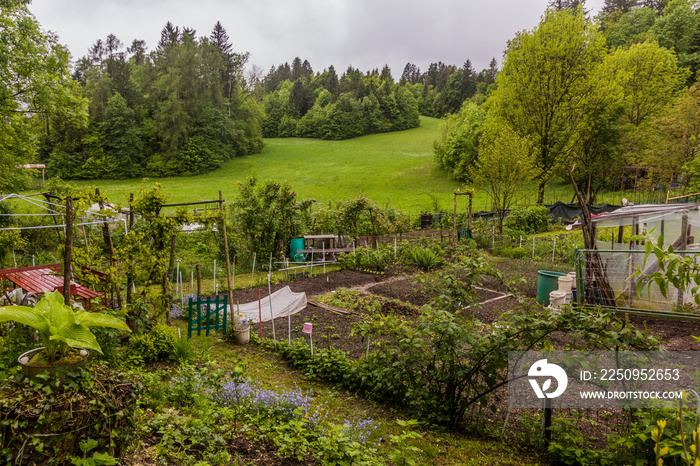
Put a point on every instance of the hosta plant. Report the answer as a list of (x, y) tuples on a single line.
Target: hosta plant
[(59, 326)]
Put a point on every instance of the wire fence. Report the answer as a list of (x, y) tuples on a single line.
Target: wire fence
[(606, 276)]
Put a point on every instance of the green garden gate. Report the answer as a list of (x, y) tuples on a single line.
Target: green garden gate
[(203, 311)]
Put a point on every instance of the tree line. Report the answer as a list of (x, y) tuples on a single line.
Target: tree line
[(181, 109), (594, 101), (298, 102)]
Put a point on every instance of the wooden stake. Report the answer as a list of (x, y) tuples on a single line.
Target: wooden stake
[(110, 245), (198, 267), (168, 278), (454, 221)]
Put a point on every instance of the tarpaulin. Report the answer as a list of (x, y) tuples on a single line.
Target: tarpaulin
[(563, 212), (284, 302)]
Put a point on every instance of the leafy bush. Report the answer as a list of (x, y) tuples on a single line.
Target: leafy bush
[(424, 258), (527, 220), (514, 253), (376, 260), (156, 345), (441, 365), (15, 340)]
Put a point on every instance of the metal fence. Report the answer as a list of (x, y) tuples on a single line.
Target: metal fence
[(605, 278)]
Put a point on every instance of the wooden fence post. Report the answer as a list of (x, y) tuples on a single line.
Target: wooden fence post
[(110, 245)]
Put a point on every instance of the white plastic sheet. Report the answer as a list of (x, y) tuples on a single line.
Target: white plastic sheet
[(284, 303)]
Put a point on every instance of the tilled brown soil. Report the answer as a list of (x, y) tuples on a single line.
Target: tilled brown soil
[(402, 294)]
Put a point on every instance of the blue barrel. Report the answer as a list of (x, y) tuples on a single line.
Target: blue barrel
[(295, 245)]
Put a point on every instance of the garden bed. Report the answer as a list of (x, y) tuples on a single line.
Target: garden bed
[(400, 285)]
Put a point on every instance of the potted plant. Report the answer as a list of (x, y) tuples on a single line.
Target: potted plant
[(64, 332)]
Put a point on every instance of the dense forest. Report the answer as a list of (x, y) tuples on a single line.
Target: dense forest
[(603, 102), (300, 103)]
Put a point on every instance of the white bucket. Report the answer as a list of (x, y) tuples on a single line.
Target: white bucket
[(568, 298), (556, 299), (565, 283), (242, 336), (573, 275)]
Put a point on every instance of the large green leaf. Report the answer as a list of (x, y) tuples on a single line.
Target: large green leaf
[(95, 319), (24, 315), (81, 336), (59, 314)]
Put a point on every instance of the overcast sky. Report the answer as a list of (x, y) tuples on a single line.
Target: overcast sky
[(366, 34)]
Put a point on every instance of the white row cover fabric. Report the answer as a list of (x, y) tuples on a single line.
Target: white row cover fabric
[(285, 302)]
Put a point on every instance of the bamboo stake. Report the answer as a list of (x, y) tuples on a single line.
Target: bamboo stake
[(177, 279), (260, 312), (272, 315), (108, 240)]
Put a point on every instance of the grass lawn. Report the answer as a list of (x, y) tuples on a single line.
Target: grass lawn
[(396, 169)]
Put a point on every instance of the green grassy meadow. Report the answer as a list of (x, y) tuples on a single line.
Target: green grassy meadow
[(395, 168)]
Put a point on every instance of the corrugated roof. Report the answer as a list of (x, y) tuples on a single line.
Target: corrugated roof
[(39, 278)]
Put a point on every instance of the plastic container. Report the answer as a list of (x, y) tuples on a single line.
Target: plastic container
[(565, 283), (557, 299), (243, 335), (573, 275), (546, 283), (464, 234), (295, 245)]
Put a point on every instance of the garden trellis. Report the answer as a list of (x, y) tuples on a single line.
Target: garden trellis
[(47, 208), (50, 209)]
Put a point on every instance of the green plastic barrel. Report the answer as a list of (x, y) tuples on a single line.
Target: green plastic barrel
[(295, 245), (464, 234), (547, 282)]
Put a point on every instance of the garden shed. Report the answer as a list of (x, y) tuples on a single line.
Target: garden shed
[(606, 273)]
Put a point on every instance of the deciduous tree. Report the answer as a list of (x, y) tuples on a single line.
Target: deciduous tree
[(35, 84), (504, 166), (544, 82)]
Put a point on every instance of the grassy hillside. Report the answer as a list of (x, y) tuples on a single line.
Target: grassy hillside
[(396, 168)]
